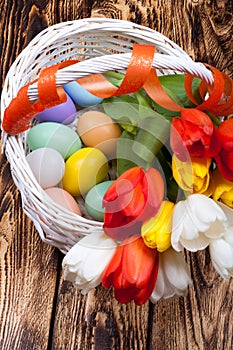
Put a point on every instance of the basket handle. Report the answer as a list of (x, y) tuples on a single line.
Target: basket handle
[(21, 110), (138, 74)]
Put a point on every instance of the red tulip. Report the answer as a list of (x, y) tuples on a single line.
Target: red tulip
[(132, 271), (194, 134), (133, 198), (224, 159)]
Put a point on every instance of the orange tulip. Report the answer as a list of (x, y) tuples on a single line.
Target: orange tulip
[(134, 197), (132, 271)]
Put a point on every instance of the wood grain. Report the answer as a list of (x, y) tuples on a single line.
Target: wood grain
[(98, 321), (38, 309), (28, 275)]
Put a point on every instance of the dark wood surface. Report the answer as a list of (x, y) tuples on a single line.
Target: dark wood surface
[(38, 310)]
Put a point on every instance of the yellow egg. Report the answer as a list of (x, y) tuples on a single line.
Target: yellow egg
[(97, 129), (84, 169)]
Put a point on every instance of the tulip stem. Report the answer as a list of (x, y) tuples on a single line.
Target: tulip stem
[(214, 119), (114, 75), (142, 99)]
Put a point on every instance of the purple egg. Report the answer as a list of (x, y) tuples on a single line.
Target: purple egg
[(64, 113)]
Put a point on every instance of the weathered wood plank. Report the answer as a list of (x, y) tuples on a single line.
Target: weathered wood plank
[(201, 28), (97, 321), (28, 275), (201, 320)]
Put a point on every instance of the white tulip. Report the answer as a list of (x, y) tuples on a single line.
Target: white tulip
[(173, 276), (85, 261), (196, 221), (221, 250)]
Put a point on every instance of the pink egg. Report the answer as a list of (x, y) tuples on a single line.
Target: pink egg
[(64, 199)]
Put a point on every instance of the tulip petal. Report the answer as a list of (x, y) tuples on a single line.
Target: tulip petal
[(228, 235), (160, 286), (176, 269), (139, 262), (132, 203), (123, 184), (197, 132), (115, 265), (80, 262), (199, 243), (125, 295), (144, 293), (225, 133), (223, 167), (100, 261), (204, 211), (177, 225), (155, 188), (173, 276), (221, 252), (132, 271)]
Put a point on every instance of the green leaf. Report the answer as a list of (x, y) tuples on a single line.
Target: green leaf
[(119, 106), (152, 135), (175, 84), (126, 158)]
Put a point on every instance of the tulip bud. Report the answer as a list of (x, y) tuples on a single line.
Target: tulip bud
[(156, 232), (194, 176)]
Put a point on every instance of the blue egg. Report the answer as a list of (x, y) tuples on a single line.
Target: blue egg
[(81, 96), (94, 199)]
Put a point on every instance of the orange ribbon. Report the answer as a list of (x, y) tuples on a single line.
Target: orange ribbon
[(21, 110), (222, 88), (138, 74)]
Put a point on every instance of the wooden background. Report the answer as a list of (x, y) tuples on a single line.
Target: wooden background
[(38, 310)]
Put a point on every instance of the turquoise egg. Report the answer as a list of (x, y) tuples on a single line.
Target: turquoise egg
[(94, 198), (57, 136), (81, 96)]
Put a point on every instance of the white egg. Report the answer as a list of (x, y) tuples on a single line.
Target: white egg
[(47, 165)]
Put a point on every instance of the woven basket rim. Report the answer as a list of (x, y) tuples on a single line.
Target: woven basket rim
[(15, 146)]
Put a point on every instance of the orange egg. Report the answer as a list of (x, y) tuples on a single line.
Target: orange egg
[(97, 129)]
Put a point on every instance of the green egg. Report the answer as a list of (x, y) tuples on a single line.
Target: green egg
[(54, 135), (94, 198)]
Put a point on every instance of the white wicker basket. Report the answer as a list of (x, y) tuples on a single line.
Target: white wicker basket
[(101, 45)]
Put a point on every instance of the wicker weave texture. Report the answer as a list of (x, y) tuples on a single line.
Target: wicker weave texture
[(100, 45)]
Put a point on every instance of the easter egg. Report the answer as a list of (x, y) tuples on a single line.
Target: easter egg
[(54, 135), (97, 129), (94, 198), (84, 169), (81, 96), (47, 166), (63, 113), (64, 199)]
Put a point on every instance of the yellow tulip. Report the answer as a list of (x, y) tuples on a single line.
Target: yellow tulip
[(156, 232), (223, 189), (192, 177)]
